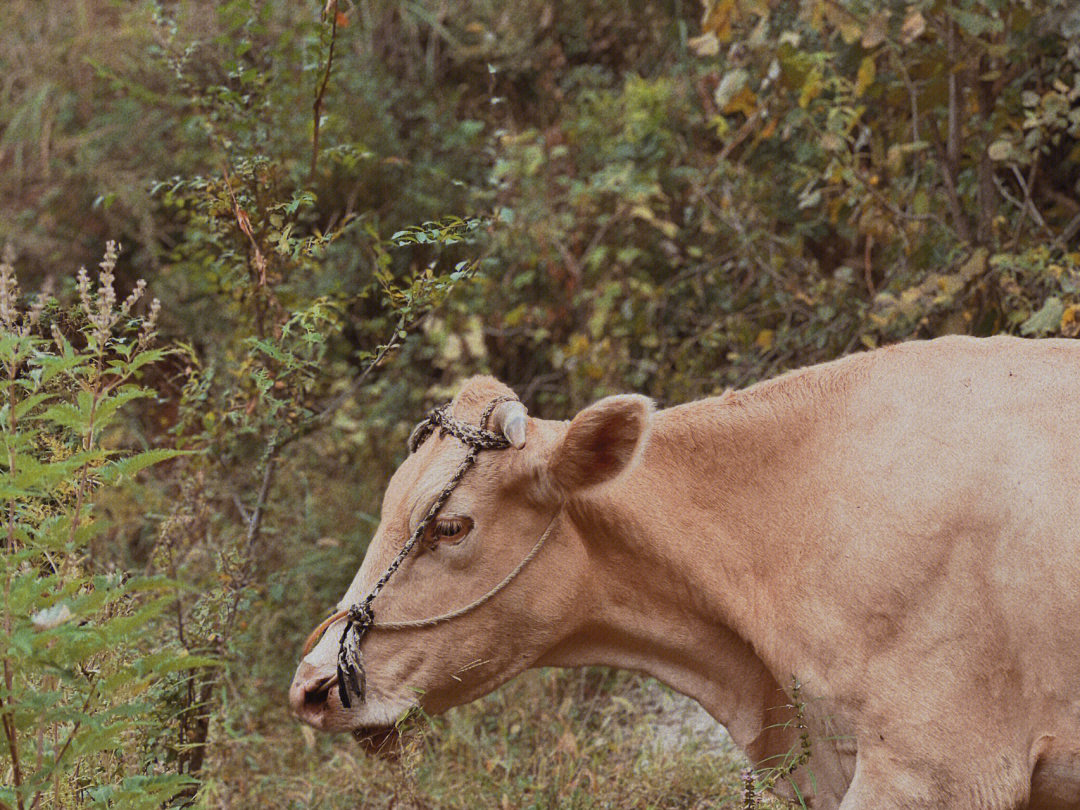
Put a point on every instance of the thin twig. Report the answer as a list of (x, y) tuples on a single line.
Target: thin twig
[(573, 261), (240, 508), (260, 504), (332, 10), (742, 133), (67, 743), (963, 227), (9, 733), (945, 168), (1027, 197), (1069, 232)]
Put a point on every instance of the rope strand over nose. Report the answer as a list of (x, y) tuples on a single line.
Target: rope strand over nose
[(361, 617)]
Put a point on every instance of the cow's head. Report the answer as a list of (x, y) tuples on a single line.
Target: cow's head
[(490, 523)]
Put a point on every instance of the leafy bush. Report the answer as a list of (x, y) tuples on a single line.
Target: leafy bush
[(78, 640)]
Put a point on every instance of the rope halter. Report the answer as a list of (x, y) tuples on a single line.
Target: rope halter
[(360, 617)]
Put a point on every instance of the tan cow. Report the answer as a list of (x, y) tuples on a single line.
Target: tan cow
[(898, 530)]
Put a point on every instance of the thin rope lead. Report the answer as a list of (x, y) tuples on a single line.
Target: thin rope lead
[(360, 617)]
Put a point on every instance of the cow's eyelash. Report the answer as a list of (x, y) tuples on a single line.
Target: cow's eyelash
[(448, 530)]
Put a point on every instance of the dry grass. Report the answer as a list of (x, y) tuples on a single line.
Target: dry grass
[(551, 739)]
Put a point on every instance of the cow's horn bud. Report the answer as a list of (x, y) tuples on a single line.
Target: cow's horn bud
[(511, 419)]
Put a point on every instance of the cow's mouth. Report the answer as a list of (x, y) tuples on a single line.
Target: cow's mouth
[(380, 741)]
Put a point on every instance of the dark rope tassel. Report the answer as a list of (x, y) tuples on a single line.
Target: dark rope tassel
[(350, 661)]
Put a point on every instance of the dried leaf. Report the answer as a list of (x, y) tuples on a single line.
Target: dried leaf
[(876, 29), (999, 150), (913, 27), (567, 744), (705, 45), (51, 617)]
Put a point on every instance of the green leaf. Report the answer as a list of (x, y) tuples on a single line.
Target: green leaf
[(71, 363), (66, 415), (1046, 320), (976, 24), (31, 402), (107, 407), (132, 465)]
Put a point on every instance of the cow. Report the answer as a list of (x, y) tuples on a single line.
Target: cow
[(896, 531)]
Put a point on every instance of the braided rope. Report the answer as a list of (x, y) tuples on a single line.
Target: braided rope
[(360, 618), (461, 611)]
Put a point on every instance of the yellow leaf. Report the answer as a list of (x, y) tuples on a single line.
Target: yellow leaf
[(578, 345), (745, 101), (811, 88), (894, 159), (975, 265), (999, 150), (1070, 321), (831, 142), (865, 76), (668, 228), (764, 340), (718, 18)]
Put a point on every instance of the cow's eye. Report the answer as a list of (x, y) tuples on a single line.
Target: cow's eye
[(450, 530)]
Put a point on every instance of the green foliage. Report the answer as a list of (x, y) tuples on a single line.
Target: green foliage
[(77, 642)]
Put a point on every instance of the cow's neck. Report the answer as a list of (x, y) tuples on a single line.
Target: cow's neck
[(675, 568)]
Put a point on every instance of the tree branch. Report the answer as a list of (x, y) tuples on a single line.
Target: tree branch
[(332, 11), (963, 227)]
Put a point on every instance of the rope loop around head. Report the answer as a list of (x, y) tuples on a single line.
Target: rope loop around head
[(361, 617), (472, 435)]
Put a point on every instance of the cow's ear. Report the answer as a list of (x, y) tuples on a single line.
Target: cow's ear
[(601, 441)]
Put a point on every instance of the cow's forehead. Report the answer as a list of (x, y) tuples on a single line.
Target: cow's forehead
[(423, 474)]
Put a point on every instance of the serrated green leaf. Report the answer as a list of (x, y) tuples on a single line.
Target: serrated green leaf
[(31, 402), (108, 406), (146, 357), (65, 415), (129, 467), (70, 363)]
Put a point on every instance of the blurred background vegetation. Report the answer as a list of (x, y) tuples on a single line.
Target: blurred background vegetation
[(343, 209)]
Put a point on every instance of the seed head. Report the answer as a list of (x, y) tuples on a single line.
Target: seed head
[(132, 299), (149, 326), (83, 281), (9, 289)]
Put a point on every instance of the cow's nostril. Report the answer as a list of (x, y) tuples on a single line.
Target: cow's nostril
[(318, 693)]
